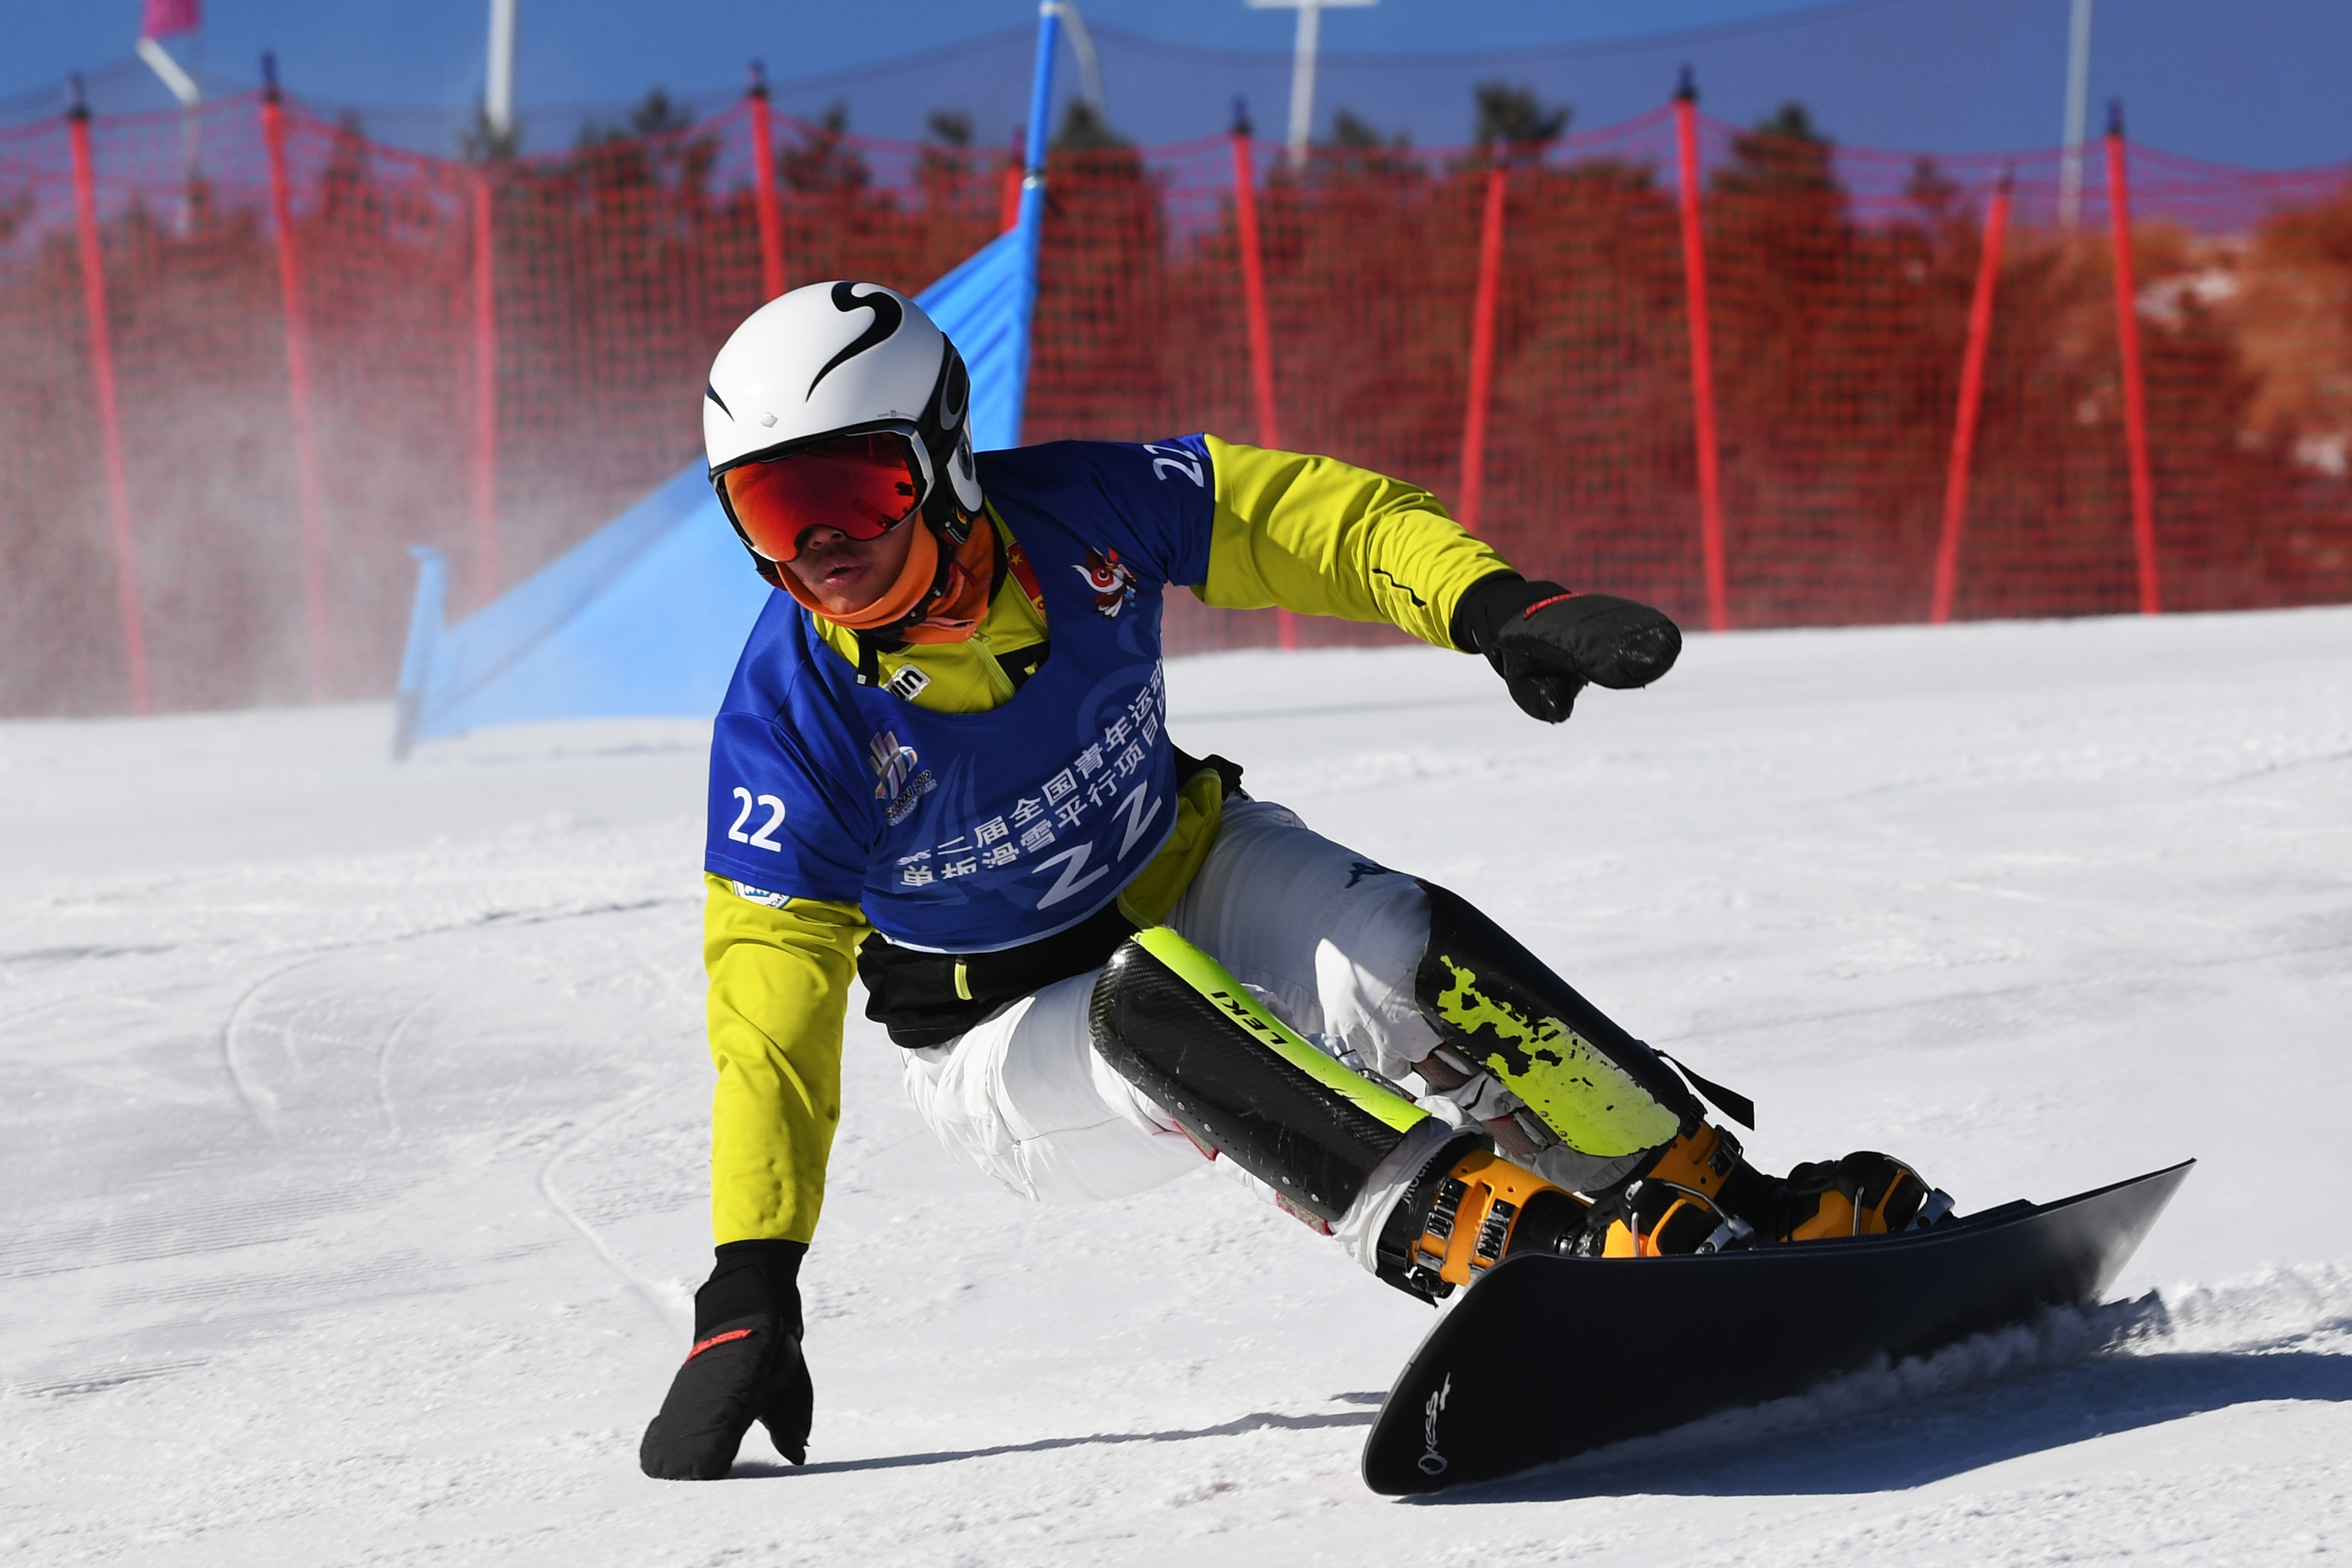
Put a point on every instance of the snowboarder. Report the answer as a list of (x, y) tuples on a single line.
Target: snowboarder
[(943, 765)]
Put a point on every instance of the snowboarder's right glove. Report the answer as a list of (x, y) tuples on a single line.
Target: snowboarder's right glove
[(745, 1365), (1546, 642)]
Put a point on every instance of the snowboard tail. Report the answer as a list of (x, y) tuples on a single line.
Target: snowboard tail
[(1548, 1357)]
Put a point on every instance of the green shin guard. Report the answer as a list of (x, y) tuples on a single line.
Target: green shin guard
[(1603, 1092)]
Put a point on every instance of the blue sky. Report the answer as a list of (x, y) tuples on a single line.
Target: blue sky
[(2244, 82), (586, 51)]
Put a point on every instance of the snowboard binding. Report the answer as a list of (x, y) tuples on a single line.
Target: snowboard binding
[(1699, 1195), (1865, 1193), (1463, 1216)]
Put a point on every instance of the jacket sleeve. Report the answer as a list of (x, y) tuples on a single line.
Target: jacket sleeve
[(1322, 538), (779, 990)]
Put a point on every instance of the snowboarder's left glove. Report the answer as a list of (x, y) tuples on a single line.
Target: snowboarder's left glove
[(1546, 642), (745, 1365)]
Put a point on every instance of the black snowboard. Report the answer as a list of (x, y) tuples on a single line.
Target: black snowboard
[(1547, 1357)]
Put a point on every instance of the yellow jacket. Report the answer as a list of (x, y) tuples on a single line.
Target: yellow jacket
[(1306, 533)]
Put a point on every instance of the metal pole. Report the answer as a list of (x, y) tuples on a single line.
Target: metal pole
[(1303, 49), (1082, 45), (1702, 350), (498, 93), (109, 422), (1302, 80), (2143, 487), (2078, 110), (182, 86), (1482, 345), (1964, 423), (297, 378), (173, 76)]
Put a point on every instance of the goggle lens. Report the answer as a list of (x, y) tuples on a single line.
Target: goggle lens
[(863, 486)]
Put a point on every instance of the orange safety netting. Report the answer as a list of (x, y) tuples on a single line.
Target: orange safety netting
[(495, 358)]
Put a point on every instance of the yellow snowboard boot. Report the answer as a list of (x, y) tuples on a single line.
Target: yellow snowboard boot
[(1865, 1193)]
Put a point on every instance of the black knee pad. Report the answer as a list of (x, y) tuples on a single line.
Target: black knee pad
[(1179, 1029), (1498, 1004)]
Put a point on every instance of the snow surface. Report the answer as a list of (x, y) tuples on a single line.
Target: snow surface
[(351, 1130)]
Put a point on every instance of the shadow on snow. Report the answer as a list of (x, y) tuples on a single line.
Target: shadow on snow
[(1258, 1421)]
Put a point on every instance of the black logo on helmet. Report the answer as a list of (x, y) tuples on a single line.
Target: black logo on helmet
[(888, 315), (955, 391), (712, 392)]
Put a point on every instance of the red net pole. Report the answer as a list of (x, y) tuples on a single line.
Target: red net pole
[(1261, 339), (486, 396), (1260, 336), (110, 421), (1008, 195), (1964, 423), (298, 384), (2143, 489), (1702, 352), (1482, 347), (763, 196)]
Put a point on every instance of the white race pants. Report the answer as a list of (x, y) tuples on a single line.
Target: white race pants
[(1328, 939)]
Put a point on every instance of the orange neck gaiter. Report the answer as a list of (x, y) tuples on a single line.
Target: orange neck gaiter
[(958, 613), (952, 618)]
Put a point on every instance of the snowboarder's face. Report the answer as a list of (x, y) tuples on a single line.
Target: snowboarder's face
[(845, 574)]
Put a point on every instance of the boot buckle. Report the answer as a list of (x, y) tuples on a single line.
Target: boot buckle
[(1935, 1211), (1732, 1234)]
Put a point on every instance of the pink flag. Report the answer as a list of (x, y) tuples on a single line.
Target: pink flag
[(166, 17)]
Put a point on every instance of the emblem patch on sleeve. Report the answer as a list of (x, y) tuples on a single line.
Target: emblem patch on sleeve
[(1112, 581)]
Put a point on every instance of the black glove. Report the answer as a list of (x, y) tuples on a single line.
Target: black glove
[(1546, 642), (745, 1365)]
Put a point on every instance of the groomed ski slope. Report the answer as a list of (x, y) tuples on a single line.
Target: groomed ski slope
[(352, 1130)]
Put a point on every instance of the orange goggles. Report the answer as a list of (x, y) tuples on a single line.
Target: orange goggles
[(861, 485)]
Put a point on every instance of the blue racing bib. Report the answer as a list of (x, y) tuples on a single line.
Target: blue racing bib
[(972, 832)]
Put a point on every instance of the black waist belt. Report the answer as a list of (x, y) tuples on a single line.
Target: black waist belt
[(929, 998)]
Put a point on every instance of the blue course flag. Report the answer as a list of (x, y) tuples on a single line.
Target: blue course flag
[(645, 617)]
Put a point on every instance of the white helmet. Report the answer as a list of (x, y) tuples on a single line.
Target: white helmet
[(845, 358)]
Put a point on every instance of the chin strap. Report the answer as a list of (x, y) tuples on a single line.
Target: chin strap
[(869, 655)]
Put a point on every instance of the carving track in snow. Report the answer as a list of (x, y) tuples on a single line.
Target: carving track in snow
[(352, 1122)]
